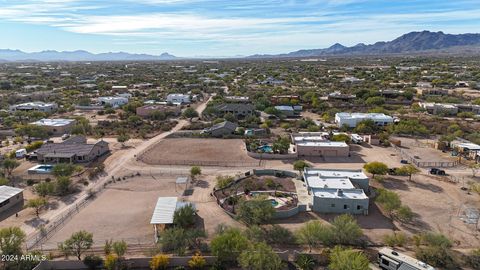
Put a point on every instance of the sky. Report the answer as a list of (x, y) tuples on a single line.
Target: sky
[(195, 28)]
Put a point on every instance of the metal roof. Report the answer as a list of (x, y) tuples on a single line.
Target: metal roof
[(164, 210), (7, 192)]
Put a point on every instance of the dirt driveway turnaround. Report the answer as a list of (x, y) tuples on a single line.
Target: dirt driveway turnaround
[(206, 152)]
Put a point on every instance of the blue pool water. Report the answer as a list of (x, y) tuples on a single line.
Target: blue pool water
[(45, 168), (266, 149), (274, 202), (41, 169)]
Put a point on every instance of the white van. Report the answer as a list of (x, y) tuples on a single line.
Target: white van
[(21, 153)]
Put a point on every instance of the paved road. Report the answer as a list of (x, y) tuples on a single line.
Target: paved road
[(113, 167)]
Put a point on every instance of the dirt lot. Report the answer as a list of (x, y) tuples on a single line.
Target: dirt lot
[(423, 150), (438, 206), (207, 152), (124, 209)]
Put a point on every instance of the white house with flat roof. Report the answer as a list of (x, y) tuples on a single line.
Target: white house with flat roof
[(337, 191), (9, 197), (115, 102), (178, 99), (352, 119), (35, 106), (57, 126), (317, 144)]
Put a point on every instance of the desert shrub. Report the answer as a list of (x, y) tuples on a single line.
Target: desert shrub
[(93, 262), (397, 239)]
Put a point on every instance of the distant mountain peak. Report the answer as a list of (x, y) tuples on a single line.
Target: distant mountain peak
[(337, 46), (79, 55), (413, 42)]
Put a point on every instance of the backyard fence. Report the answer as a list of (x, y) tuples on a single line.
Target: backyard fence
[(214, 163), (425, 164), (54, 225)]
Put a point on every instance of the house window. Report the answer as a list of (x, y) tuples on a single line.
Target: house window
[(385, 262), (359, 207), (345, 206), (332, 205)]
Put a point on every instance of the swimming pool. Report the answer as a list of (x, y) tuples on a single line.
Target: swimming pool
[(41, 169), (273, 202), (265, 149)]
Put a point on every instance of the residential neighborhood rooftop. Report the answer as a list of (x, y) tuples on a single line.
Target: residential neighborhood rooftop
[(7, 192)]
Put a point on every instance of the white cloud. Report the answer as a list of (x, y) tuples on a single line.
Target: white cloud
[(239, 31)]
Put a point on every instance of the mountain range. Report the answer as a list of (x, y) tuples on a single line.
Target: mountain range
[(424, 42), (413, 42), (80, 55)]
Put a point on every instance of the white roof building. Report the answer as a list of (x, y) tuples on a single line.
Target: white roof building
[(337, 191), (352, 119), (7, 192), (178, 98), (164, 210), (113, 101), (58, 122), (35, 106)]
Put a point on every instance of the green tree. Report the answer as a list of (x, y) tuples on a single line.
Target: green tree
[(300, 165), (178, 239), (347, 259), (259, 256), (397, 239), (345, 230), (223, 181), (4, 181), (107, 248), (37, 204), (120, 248), (256, 211), (185, 216), (9, 165), (11, 240), (314, 234), (195, 171), (228, 244), (79, 242), (64, 169), (409, 170), (376, 167), (32, 131), (190, 113), (341, 138), (404, 214), (44, 188), (123, 138), (389, 200), (375, 101), (63, 185)]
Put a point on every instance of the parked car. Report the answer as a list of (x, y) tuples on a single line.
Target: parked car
[(394, 171), (437, 171), (404, 161), (65, 136)]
